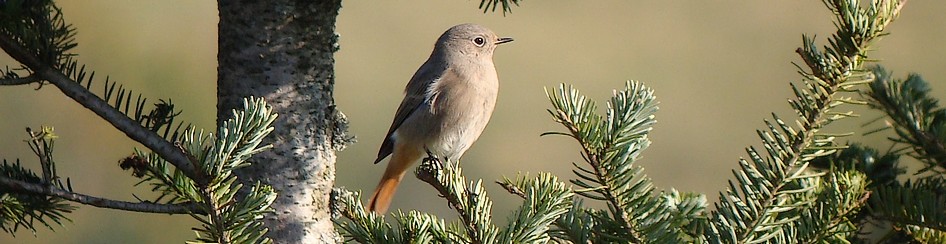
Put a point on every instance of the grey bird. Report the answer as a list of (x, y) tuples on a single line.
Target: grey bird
[(446, 106)]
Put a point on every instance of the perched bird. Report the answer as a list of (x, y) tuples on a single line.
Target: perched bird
[(445, 108)]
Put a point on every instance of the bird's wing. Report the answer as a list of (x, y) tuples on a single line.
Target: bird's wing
[(418, 93)]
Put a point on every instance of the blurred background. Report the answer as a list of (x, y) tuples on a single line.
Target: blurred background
[(718, 69)]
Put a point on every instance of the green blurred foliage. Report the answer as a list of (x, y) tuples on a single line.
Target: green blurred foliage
[(718, 68)]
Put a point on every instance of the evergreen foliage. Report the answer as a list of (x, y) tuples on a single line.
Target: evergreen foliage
[(913, 208), (776, 197), (800, 187), (491, 5), (916, 117), (224, 217), (192, 171), (611, 144), (17, 209), (545, 200)]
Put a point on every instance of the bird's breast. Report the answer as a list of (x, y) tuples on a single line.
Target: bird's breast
[(460, 113)]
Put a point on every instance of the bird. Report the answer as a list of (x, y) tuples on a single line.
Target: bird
[(446, 106)]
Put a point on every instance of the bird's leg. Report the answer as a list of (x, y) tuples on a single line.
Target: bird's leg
[(429, 169), (431, 158)]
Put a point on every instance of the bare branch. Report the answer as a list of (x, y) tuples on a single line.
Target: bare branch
[(146, 207), (19, 81)]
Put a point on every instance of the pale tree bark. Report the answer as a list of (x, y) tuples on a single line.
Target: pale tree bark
[(283, 50)]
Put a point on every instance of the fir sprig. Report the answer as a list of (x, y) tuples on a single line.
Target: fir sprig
[(545, 200), (370, 227), (773, 190), (224, 217), (531, 222), (917, 118), (20, 209), (610, 146), (491, 5), (468, 199), (914, 203), (36, 35), (833, 216), (919, 124), (200, 183)]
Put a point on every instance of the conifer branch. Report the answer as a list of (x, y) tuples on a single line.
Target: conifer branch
[(636, 212), (146, 207), (15, 81), (41, 142), (430, 171), (925, 235), (45, 68), (202, 183), (911, 204), (370, 227), (913, 208), (593, 157), (773, 190), (229, 219), (365, 226), (917, 118), (546, 199), (833, 217), (19, 208), (491, 5), (17, 52), (471, 203), (132, 129)]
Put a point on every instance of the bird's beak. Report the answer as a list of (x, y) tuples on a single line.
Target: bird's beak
[(502, 40)]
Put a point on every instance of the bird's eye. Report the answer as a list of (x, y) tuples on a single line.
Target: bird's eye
[(479, 41)]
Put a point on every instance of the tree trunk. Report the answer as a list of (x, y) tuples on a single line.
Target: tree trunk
[(283, 51)]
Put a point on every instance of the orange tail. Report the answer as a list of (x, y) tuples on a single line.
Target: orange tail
[(401, 159)]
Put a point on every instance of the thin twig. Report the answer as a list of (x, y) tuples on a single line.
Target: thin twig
[(146, 207), (45, 159), (512, 189), (19, 81)]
